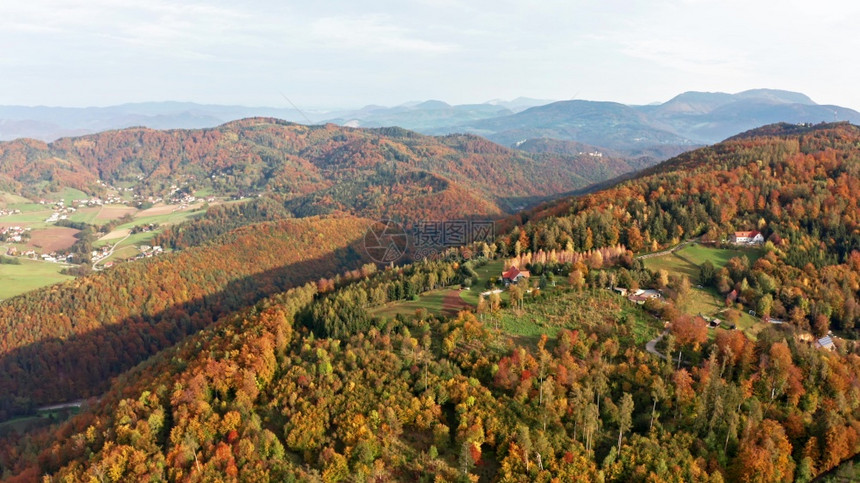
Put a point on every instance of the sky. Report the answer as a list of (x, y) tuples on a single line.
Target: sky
[(347, 54)]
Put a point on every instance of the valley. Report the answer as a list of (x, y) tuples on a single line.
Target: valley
[(127, 187)]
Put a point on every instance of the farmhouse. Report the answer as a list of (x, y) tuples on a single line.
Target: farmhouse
[(641, 296), (825, 342), (514, 275), (747, 238)]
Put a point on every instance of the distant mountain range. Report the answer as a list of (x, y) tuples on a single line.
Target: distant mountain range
[(659, 130), (51, 123), (689, 119)]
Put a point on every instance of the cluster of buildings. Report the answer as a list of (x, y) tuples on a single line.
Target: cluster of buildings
[(61, 211), (12, 233), (100, 253), (96, 201), (5, 212), (52, 257), (55, 217), (147, 251), (183, 199), (639, 296)]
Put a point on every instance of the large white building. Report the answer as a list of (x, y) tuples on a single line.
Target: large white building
[(748, 238)]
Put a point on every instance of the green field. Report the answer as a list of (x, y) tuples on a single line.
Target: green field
[(568, 309), (86, 215), (687, 260), (67, 195), (119, 254), (432, 301), (144, 238), (11, 199), (33, 219), (490, 271), (706, 301), (165, 219), (30, 275), (28, 206)]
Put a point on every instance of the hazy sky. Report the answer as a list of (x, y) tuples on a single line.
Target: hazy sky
[(352, 53)]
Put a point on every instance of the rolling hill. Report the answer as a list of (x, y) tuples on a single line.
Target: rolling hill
[(566, 380), (314, 169), (660, 130)]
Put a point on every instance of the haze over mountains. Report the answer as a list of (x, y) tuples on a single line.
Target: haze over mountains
[(660, 130)]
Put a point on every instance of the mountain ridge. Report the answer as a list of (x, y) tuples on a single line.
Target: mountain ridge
[(304, 166)]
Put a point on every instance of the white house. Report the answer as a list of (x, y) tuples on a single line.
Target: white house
[(748, 238)]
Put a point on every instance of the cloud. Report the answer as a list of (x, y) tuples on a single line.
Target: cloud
[(686, 55), (169, 29), (375, 33)]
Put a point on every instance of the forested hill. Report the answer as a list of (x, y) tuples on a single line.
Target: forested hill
[(719, 165), (317, 169), (800, 188), (66, 341), (375, 379), (379, 377)]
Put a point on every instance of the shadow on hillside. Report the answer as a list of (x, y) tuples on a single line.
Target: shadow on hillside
[(56, 370)]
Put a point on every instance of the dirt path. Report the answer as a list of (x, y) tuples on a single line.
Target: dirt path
[(452, 303), (667, 252), (73, 404), (651, 346), (112, 248)]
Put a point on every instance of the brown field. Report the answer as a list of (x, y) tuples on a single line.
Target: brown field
[(116, 234), (112, 212), (159, 209), (51, 239), (162, 209)]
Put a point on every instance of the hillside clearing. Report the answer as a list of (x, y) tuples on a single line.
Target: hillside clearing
[(29, 275), (442, 302), (687, 260), (53, 238)]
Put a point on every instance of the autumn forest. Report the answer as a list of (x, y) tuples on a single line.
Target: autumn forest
[(644, 343)]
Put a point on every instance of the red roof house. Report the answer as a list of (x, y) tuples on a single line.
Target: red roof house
[(514, 275)]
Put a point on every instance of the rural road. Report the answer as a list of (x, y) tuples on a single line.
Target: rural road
[(651, 346), (667, 252), (109, 253), (71, 404)]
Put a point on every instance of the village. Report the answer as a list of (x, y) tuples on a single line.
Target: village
[(39, 237)]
